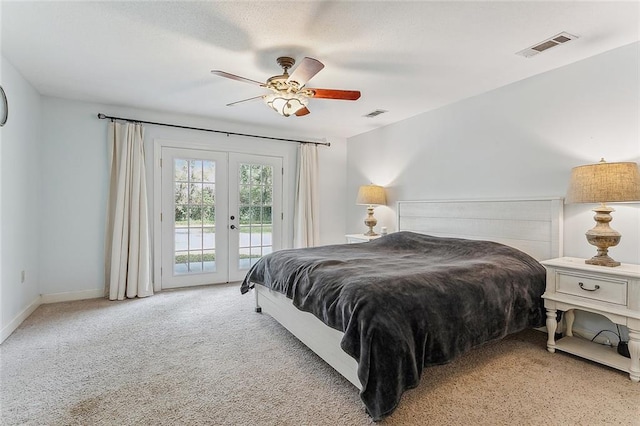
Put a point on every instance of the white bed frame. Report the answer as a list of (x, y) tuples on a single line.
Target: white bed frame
[(531, 225)]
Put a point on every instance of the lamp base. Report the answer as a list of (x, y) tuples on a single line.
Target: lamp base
[(602, 261), (603, 236), (370, 221)]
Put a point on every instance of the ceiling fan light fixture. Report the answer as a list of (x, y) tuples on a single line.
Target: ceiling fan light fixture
[(289, 93), (286, 104)]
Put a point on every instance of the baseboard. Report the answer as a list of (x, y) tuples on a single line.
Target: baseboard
[(15, 323), (48, 298), (583, 333), (590, 335), (68, 296)]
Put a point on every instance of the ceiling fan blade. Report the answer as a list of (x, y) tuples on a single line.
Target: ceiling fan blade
[(246, 100), (345, 95), (235, 77), (305, 71), (302, 111)]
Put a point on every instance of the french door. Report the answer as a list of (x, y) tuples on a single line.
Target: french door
[(220, 212)]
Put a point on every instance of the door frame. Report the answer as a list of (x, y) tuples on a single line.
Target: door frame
[(219, 142)]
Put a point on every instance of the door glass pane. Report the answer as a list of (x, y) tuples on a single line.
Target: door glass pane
[(209, 261), (194, 195), (255, 206)]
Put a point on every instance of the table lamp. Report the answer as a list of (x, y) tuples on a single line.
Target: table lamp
[(604, 183), (371, 195)]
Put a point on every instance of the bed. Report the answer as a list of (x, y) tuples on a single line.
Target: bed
[(458, 274)]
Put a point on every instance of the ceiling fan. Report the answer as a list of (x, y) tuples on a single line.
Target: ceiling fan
[(289, 94)]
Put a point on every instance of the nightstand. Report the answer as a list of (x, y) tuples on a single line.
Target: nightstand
[(613, 292), (360, 238)]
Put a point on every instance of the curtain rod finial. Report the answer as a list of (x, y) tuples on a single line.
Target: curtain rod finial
[(101, 116)]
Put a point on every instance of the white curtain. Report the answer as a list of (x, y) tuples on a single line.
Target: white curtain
[(306, 216), (127, 246)]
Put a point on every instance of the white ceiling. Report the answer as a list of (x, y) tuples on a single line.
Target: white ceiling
[(405, 57)]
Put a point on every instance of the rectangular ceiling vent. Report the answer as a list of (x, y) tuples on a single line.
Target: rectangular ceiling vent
[(375, 113), (554, 41)]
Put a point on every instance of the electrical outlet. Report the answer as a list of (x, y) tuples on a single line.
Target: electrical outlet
[(22, 276)]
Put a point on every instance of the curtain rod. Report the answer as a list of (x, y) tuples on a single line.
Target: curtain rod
[(101, 116)]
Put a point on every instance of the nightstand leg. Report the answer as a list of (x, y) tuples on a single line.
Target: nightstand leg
[(569, 317), (552, 325), (634, 351), (258, 307)]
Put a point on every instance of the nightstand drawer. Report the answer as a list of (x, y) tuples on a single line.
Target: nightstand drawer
[(605, 290)]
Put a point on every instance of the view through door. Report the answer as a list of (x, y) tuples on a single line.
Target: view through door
[(221, 212)]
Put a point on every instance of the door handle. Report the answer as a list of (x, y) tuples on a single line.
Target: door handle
[(233, 227)]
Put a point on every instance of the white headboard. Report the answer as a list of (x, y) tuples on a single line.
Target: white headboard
[(533, 226)]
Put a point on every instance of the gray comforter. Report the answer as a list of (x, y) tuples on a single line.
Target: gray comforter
[(406, 301)]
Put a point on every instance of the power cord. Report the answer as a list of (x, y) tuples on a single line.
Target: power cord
[(623, 347), (607, 331)]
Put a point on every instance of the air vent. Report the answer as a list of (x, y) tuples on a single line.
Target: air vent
[(547, 44), (375, 113)]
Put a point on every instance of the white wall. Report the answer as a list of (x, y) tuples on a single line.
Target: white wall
[(20, 200), (520, 140), (333, 189), (76, 176)]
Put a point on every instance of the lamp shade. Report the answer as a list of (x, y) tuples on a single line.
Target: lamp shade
[(604, 183), (371, 195)]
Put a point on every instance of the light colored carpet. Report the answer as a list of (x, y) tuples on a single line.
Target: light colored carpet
[(202, 356)]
